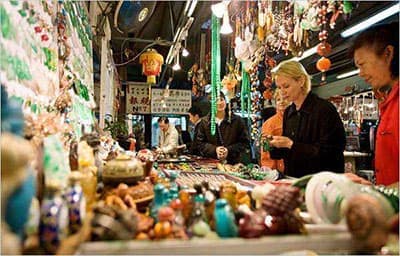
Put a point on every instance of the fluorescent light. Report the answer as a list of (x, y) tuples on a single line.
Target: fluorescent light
[(347, 74), (306, 54), (176, 66), (186, 6), (372, 20), (192, 7)]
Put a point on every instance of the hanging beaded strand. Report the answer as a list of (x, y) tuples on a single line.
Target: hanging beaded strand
[(215, 68)]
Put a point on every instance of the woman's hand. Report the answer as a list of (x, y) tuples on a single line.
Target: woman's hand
[(222, 152), (281, 142)]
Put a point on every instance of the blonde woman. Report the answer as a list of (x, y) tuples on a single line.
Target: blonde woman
[(273, 126), (313, 137)]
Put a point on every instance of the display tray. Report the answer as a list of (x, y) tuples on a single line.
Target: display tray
[(189, 178), (175, 160), (334, 240)]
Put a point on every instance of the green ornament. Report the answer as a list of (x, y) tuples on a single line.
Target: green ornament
[(14, 2), (347, 7), (32, 20), (5, 23), (215, 69), (22, 13)]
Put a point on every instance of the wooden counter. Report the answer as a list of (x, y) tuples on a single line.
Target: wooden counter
[(323, 239)]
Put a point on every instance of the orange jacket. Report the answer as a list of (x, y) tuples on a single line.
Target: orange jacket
[(387, 140), (273, 126)]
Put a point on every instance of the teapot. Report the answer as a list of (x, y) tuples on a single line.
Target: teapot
[(123, 169)]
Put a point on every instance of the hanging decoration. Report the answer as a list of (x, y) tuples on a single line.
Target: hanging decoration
[(323, 64), (229, 82), (269, 63), (254, 104), (245, 92), (215, 68), (151, 62)]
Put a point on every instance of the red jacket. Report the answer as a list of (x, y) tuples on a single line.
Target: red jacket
[(387, 140)]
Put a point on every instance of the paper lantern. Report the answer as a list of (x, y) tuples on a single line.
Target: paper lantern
[(151, 62), (323, 64), (324, 49)]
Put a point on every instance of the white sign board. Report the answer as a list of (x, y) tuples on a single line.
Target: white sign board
[(137, 98), (177, 102)]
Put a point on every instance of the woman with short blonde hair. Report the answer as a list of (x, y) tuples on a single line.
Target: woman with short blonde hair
[(313, 136), (295, 70)]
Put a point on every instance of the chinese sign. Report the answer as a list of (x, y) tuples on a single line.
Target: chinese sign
[(172, 102), (137, 98)]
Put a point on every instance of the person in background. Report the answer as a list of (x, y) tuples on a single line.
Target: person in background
[(167, 138), (183, 136), (267, 113), (195, 118), (273, 126), (376, 54), (231, 137), (313, 137)]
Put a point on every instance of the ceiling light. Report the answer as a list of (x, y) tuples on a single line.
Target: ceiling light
[(372, 20), (226, 27), (185, 52), (219, 9), (347, 74), (176, 67), (192, 7)]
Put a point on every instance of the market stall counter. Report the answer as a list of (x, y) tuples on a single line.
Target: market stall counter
[(339, 241)]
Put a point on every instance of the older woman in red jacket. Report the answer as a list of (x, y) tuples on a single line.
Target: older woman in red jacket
[(376, 54)]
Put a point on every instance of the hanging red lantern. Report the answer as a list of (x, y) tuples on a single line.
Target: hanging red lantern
[(323, 64), (324, 49), (151, 62)]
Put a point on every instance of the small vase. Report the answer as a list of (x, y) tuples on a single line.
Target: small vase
[(53, 226), (76, 202)]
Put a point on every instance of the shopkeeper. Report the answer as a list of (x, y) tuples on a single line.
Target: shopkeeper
[(167, 138), (231, 140), (376, 54), (313, 135), (273, 126)]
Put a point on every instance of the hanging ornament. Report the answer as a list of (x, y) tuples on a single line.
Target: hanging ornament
[(347, 7), (215, 69), (151, 62), (323, 65), (245, 89), (267, 94), (324, 49)]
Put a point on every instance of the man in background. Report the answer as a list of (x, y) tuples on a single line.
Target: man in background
[(195, 118), (167, 138)]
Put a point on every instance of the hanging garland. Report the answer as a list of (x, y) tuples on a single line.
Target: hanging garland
[(245, 90), (215, 68)]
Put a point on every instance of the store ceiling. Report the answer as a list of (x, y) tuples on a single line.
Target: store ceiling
[(164, 17)]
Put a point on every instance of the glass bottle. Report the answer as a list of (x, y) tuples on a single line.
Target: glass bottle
[(76, 202), (53, 226), (225, 225)]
